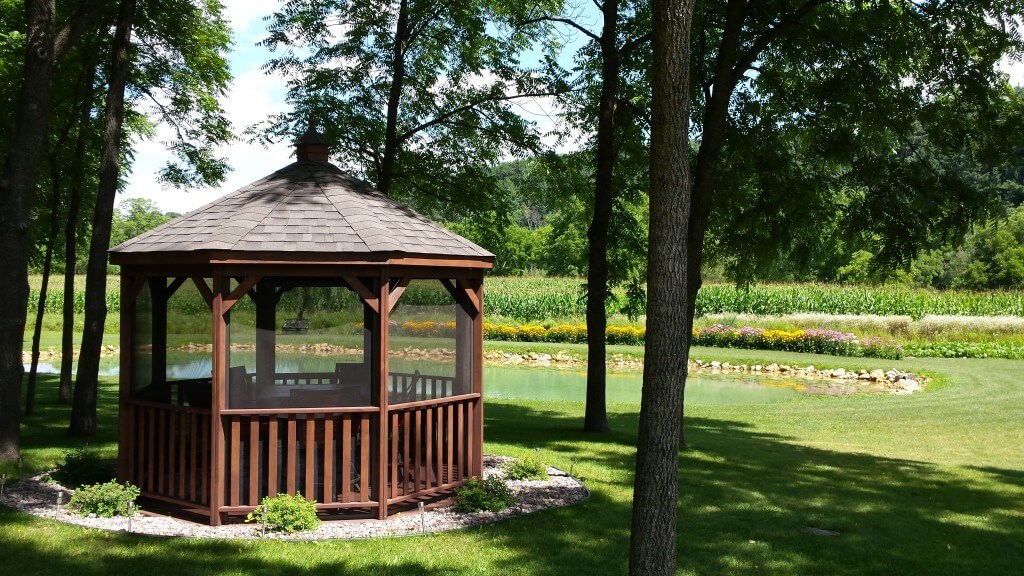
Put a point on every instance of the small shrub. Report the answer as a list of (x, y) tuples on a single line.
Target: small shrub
[(105, 500), (525, 469), (488, 494), (287, 513), (83, 467)]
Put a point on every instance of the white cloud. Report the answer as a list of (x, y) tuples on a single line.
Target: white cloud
[(253, 96)]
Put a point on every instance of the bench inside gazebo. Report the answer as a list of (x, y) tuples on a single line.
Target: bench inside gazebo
[(305, 334)]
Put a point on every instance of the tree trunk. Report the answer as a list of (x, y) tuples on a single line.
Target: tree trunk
[(83, 409), (652, 549), (17, 188), (387, 171), (596, 416), (55, 181), (67, 345)]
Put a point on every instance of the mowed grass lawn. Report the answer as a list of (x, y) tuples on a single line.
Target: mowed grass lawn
[(927, 484)]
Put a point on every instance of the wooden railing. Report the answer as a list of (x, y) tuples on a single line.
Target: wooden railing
[(406, 387), (430, 446), (323, 453), (169, 452)]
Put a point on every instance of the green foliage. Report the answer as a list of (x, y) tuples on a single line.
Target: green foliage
[(1013, 350), (82, 467), (426, 119), (804, 187), (133, 217), (530, 468), (491, 493), (778, 299), (286, 513), (105, 500), (997, 251)]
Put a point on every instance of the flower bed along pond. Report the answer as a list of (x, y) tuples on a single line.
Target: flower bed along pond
[(721, 336)]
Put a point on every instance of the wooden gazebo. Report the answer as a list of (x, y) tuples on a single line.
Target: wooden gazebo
[(360, 437)]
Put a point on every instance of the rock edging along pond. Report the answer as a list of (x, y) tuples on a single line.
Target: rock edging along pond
[(893, 381)]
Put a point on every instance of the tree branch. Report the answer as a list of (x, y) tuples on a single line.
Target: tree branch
[(81, 20), (443, 117), (783, 26), (567, 22)]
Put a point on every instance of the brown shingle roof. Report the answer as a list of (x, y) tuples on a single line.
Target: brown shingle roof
[(309, 207)]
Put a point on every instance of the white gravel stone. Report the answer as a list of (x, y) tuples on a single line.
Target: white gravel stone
[(38, 497)]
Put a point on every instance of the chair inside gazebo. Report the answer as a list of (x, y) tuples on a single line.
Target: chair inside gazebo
[(303, 407)]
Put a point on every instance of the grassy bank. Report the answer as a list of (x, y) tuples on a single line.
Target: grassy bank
[(927, 484)]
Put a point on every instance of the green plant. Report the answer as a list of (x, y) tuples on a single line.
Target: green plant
[(530, 468), (105, 500), (491, 493), (82, 467), (286, 513)]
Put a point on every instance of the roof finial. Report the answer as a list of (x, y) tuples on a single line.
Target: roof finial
[(311, 146)]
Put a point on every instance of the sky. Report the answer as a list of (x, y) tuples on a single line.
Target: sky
[(253, 97)]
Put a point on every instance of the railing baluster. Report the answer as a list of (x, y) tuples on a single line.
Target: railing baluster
[(328, 497), (290, 457), (234, 476), (310, 491), (346, 458), (364, 471), (254, 460), (273, 473)]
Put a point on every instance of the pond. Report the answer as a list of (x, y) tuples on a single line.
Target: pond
[(511, 383)]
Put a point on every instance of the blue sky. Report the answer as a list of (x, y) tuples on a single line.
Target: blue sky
[(253, 96)]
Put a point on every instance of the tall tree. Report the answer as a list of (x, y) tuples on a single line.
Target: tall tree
[(28, 123), (83, 408), (415, 95), (652, 547), (601, 94), (177, 68)]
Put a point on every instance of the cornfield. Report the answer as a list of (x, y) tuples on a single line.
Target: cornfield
[(535, 299)]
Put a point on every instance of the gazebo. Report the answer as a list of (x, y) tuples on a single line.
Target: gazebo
[(266, 348)]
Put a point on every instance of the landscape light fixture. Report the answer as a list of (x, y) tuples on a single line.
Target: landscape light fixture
[(3, 482), (423, 519), (263, 525), (131, 512)]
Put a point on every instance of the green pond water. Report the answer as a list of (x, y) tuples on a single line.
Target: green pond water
[(504, 382)]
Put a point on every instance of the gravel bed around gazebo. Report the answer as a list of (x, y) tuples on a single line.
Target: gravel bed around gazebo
[(38, 497)]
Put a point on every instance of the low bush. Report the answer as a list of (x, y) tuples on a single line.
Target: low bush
[(525, 469), (105, 500), (491, 493), (83, 467), (286, 513), (1009, 350)]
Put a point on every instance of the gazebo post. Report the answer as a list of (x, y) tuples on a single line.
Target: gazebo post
[(381, 344), (477, 454), (125, 410), (220, 348)]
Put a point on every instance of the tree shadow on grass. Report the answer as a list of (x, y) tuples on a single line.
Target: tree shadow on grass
[(44, 433), (747, 499)]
